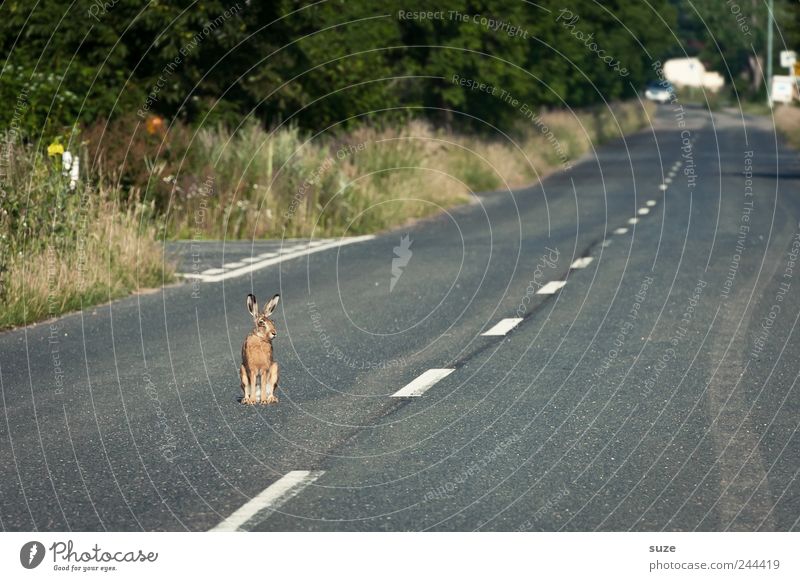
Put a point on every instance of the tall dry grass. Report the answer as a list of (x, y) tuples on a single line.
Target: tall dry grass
[(787, 120), (261, 184), (63, 250)]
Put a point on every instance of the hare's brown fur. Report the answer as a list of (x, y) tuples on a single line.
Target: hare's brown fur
[(257, 360)]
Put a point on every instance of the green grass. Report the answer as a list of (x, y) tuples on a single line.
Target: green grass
[(755, 108)]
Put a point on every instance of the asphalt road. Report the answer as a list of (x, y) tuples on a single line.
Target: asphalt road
[(655, 390)]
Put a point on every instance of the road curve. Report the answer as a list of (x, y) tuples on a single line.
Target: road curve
[(639, 372)]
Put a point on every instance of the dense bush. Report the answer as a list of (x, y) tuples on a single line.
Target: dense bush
[(211, 61)]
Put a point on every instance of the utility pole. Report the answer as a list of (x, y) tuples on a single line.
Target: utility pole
[(769, 52)]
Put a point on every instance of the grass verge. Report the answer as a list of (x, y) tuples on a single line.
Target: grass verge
[(65, 250), (258, 184), (787, 120)]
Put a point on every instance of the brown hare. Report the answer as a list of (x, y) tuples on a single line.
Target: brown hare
[(257, 355)]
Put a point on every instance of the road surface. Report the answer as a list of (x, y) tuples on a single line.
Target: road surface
[(640, 373)]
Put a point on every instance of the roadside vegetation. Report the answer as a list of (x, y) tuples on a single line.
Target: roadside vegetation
[(64, 249), (226, 119), (256, 183), (787, 121)]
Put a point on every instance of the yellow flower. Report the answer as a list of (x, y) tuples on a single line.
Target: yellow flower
[(55, 149)]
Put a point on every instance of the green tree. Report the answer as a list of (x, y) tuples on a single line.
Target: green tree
[(321, 63), (730, 36)]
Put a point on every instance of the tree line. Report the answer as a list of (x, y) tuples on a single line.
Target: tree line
[(340, 62)]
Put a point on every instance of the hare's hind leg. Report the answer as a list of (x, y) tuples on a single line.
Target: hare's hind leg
[(245, 385), (273, 376), (264, 383), (250, 396)]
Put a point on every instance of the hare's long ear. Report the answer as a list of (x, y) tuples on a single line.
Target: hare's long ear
[(273, 302), (252, 305)]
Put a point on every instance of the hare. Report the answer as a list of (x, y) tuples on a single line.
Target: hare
[(257, 355)]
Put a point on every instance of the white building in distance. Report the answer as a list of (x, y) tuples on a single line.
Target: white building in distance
[(690, 72)]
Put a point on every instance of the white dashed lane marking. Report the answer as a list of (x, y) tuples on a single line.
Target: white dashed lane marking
[(271, 498), (651, 203), (662, 187), (621, 231), (582, 262), (423, 383), (643, 211), (502, 328), (271, 258), (633, 220), (551, 287)]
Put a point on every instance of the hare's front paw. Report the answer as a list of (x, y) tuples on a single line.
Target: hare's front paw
[(270, 399), (247, 401)]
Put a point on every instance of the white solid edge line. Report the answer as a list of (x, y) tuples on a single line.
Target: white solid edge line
[(551, 287), (272, 497), (651, 203), (582, 262), (502, 328), (620, 231), (423, 383), (643, 211), (278, 259)]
